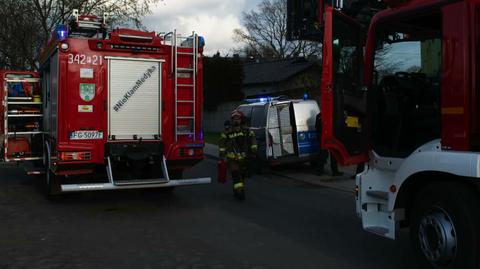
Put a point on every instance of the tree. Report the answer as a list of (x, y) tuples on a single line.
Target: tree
[(265, 34), (223, 78), (26, 25), (19, 35)]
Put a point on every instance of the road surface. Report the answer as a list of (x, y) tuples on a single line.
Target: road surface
[(284, 223)]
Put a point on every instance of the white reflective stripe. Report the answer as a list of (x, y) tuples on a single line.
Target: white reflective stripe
[(134, 59)]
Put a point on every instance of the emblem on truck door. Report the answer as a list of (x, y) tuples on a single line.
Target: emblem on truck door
[(87, 91)]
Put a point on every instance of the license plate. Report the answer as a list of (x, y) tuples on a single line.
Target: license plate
[(86, 135)]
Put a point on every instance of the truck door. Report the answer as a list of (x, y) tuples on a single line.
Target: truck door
[(343, 97), (281, 130)]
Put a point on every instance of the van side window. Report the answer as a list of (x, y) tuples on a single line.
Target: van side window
[(247, 111), (258, 117)]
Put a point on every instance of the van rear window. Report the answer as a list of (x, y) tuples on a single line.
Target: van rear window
[(258, 117), (247, 111)]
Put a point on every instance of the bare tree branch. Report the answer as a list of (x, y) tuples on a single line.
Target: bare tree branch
[(25, 26), (266, 31)]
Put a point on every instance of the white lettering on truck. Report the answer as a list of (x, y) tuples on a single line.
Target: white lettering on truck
[(83, 59), (120, 103)]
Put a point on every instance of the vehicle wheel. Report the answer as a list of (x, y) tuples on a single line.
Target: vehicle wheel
[(173, 174), (445, 227), (52, 186)]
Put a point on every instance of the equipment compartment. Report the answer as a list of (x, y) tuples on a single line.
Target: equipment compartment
[(21, 116)]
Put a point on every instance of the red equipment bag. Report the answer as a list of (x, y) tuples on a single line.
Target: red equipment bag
[(222, 171), (18, 147)]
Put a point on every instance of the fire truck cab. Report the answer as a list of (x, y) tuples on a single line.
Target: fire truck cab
[(402, 96), (122, 108)]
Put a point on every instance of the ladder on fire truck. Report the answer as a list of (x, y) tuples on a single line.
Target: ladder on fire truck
[(184, 69)]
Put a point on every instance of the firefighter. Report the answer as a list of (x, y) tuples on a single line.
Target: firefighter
[(237, 143)]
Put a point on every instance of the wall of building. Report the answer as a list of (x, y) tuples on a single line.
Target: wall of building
[(213, 120), (305, 82)]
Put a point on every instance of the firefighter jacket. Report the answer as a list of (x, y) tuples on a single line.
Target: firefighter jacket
[(236, 143)]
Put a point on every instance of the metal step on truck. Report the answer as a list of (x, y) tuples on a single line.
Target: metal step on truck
[(109, 109)]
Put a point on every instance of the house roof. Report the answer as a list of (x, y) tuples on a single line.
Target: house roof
[(274, 71)]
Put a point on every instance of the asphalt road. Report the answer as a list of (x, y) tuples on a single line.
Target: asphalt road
[(283, 224)]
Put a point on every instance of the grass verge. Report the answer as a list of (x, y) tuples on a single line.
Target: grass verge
[(212, 138)]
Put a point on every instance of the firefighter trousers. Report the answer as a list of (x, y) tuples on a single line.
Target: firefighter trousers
[(239, 173)]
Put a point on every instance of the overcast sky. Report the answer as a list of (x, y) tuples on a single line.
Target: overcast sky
[(213, 19)]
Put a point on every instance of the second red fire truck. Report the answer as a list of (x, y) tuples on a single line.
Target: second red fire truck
[(121, 109), (404, 100)]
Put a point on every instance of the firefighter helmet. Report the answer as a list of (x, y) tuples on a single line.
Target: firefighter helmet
[(238, 114)]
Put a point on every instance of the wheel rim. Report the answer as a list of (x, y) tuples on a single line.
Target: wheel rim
[(438, 237)]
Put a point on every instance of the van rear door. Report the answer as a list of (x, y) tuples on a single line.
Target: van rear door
[(281, 130), (307, 138)]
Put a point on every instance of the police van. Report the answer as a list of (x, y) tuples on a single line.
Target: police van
[(284, 128)]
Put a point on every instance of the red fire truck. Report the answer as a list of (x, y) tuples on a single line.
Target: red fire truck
[(117, 109), (403, 97)]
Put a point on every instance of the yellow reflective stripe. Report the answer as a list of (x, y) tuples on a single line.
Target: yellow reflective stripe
[(254, 147), (236, 156), (238, 185), (238, 134), (222, 149)]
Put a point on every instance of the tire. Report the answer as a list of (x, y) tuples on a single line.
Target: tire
[(51, 182), (444, 231), (173, 174)]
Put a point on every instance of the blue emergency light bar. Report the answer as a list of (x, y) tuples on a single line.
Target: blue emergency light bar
[(62, 32), (261, 99), (201, 41)]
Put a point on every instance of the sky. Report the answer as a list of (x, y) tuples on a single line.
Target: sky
[(213, 19)]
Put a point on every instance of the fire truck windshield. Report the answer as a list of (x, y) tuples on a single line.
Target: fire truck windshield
[(407, 66)]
